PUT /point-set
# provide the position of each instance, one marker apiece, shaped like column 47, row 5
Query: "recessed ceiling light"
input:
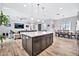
column 25, row 5
column 32, row 18
column 60, row 8
column 38, row 20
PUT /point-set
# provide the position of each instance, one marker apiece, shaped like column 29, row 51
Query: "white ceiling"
column 50, row 12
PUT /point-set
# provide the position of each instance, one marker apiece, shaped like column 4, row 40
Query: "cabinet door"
column 47, row 41
column 51, row 38
column 43, row 43
column 29, row 45
column 24, row 42
column 36, row 45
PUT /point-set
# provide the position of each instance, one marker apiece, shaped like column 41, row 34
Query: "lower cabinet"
column 43, row 43
column 29, row 45
column 35, row 45
column 51, row 38
column 47, row 41
column 24, row 42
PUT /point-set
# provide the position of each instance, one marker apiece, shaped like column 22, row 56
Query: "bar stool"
column 4, row 35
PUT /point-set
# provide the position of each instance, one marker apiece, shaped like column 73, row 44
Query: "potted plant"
column 4, row 19
column 1, row 41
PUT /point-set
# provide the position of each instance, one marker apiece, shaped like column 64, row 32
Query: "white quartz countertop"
column 34, row 34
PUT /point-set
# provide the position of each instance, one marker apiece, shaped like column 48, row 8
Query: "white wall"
column 0, row 6
column 77, row 24
column 44, row 24
column 72, row 20
column 14, row 17
column 18, row 11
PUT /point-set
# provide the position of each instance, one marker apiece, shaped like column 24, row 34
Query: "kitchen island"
column 35, row 42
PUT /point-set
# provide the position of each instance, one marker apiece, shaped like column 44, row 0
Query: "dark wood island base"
column 35, row 45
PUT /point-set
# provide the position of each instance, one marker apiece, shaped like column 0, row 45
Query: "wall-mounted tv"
column 18, row 25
